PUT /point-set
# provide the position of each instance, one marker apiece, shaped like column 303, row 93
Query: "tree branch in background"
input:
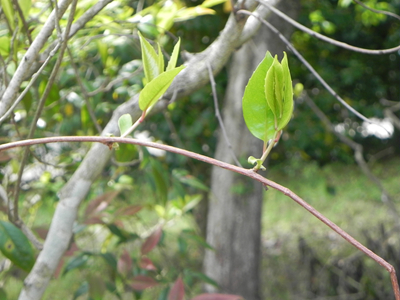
column 28, row 59
column 387, row 13
column 325, row 38
column 246, row 172
column 13, row 216
column 219, row 118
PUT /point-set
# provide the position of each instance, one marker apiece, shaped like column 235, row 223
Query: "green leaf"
column 160, row 59
column 258, row 116
column 211, row 3
column 150, row 60
column 124, row 123
column 4, row 45
column 287, row 105
column 9, row 12
column 76, row 262
column 174, row 57
column 156, row 88
column 273, row 89
column 15, row 246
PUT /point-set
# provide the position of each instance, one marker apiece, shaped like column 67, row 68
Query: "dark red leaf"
column 129, row 211
column 177, row 291
column 147, row 264
column 124, row 264
column 141, row 282
column 94, row 220
column 100, row 203
column 217, row 297
column 151, row 241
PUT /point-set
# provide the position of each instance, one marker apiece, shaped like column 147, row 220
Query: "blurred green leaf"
column 8, row 12
column 15, row 246
column 124, row 123
column 82, row 290
column 76, row 262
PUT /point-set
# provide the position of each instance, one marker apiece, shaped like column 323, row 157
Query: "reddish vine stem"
column 108, row 141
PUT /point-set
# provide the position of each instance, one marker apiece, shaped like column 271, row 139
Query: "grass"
column 340, row 192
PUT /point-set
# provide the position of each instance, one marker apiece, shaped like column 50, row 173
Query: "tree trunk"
column 235, row 202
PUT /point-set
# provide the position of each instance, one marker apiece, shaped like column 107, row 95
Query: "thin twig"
column 52, row 78
column 325, row 38
column 31, row 82
column 314, row 72
column 388, row 13
column 246, row 172
column 24, row 24
column 218, row 115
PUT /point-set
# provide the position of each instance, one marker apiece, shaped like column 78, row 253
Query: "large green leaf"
column 287, row 105
column 15, row 246
column 258, row 116
column 150, row 60
column 156, row 88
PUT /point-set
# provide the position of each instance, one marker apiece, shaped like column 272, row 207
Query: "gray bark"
column 235, row 203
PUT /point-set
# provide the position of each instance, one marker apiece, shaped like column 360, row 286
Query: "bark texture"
column 235, row 203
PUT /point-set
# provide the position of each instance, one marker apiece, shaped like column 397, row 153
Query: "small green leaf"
column 273, row 89
column 124, row 123
column 257, row 163
column 15, row 246
column 150, row 60
column 174, row 57
column 156, row 88
column 258, row 116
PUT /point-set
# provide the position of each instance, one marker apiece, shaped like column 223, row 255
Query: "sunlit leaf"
column 124, row 123
column 156, row 88
column 15, row 246
column 174, row 56
column 211, row 3
column 256, row 112
column 177, row 291
column 192, row 12
column 4, row 45
column 160, row 59
column 150, row 60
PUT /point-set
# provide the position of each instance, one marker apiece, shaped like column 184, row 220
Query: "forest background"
column 142, row 226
